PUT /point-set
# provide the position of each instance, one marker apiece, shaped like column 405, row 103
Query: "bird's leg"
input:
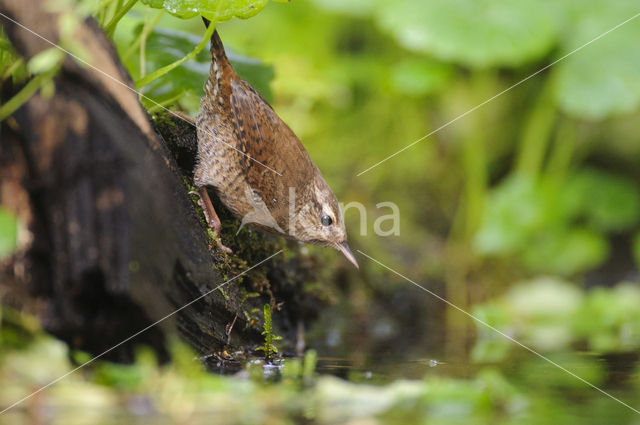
column 229, row 328
column 212, row 218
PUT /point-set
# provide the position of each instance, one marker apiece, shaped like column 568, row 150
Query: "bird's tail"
column 218, row 54
column 219, row 61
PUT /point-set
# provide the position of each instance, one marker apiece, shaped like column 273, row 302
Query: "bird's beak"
column 344, row 248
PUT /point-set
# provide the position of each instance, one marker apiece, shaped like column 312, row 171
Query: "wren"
column 257, row 166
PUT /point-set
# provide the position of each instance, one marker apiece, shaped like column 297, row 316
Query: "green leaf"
column 609, row 203
column 166, row 46
column 168, row 68
column 491, row 346
column 213, row 10
column 537, row 373
column 358, row 8
column 8, row 233
column 514, row 212
column 420, row 78
column 476, row 33
column 45, row 61
column 40, row 81
column 544, row 298
column 601, row 80
column 566, row 251
column 543, row 308
column 558, row 228
column 610, row 319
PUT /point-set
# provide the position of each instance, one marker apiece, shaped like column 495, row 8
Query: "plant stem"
column 25, row 94
column 11, row 68
column 537, row 133
column 145, row 31
column 142, row 59
column 468, row 218
column 475, row 158
column 165, row 69
column 111, row 26
column 562, row 151
column 4, row 44
column 155, row 107
column 102, row 11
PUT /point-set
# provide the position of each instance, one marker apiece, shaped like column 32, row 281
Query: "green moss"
column 224, row 294
column 248, row 295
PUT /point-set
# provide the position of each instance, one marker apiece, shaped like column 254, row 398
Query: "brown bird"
column 258, row 167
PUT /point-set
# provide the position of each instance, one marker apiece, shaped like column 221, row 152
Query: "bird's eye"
column 326, row 220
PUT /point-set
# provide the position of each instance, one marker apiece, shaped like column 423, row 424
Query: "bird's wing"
column 281, row 162
column 255, row 126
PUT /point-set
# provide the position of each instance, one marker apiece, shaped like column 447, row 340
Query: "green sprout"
column 269, row 337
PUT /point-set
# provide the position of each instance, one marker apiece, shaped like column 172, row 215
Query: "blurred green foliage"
column 184, row 85
column 8, row 233
column 183, row 392
column 478, row 34
column 509, row 211
column 560, row 230
column 553, row 315
column 608, row 85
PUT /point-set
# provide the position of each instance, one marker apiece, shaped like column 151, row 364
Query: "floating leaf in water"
column 338, row 400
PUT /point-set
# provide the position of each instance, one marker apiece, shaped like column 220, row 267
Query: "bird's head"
column 319, row 219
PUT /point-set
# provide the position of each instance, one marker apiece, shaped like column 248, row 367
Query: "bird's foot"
column 212, row 218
